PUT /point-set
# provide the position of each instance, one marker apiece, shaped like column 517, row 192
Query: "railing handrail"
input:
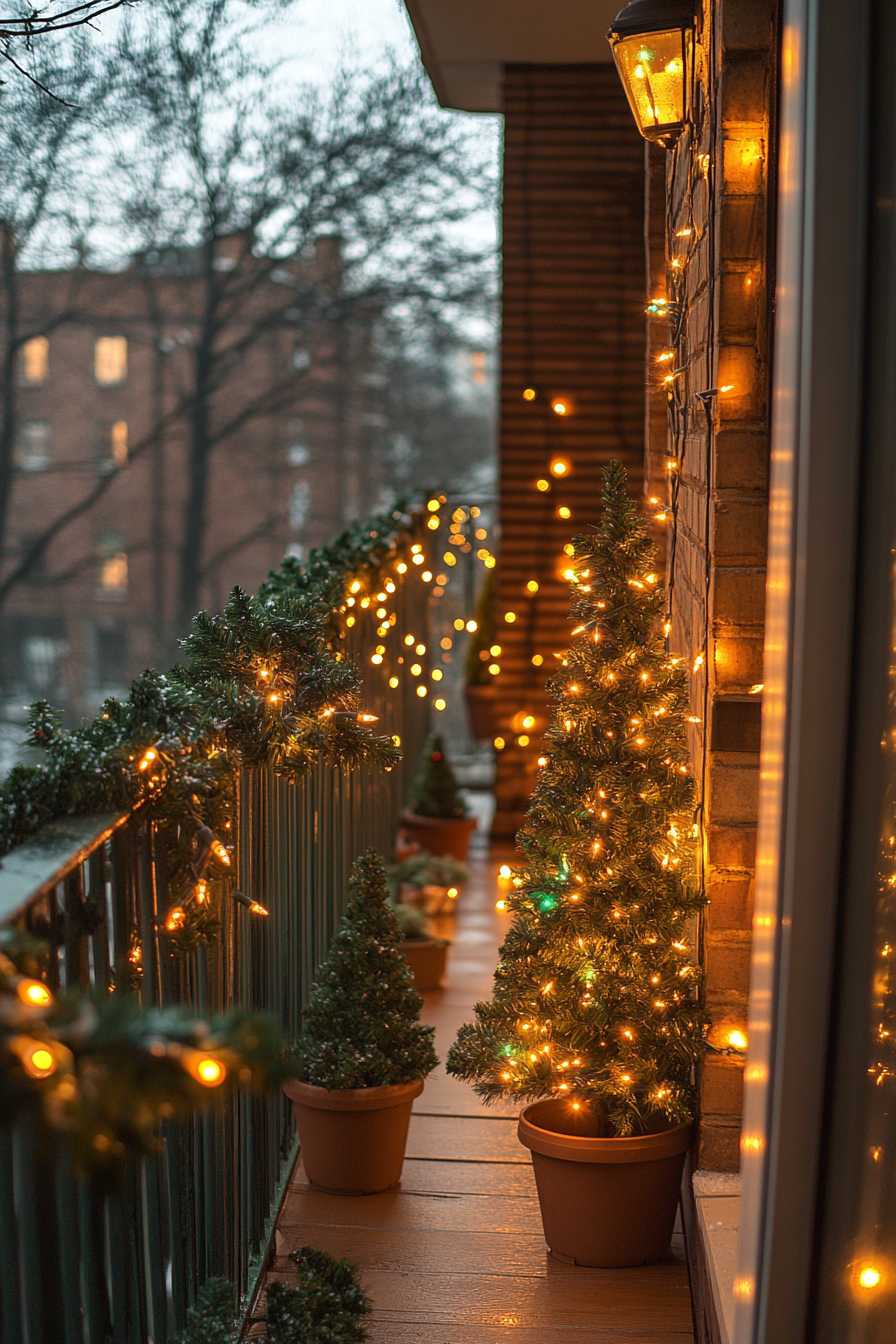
column 32, row 869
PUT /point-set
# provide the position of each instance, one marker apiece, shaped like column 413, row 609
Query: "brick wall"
column 717, row 268
column 573, row 328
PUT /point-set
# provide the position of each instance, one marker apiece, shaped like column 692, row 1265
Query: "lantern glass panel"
column 652, row 69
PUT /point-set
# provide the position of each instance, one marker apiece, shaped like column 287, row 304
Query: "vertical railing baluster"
column 10, row 1268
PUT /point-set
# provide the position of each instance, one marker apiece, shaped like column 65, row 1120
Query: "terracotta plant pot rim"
column 573, row 1148
column 416, row 820
column 352, row 1098
column 424, row 938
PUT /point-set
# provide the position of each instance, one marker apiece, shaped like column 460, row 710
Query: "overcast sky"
column 321, row 32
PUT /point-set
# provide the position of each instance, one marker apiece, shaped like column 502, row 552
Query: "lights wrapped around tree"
column 596, row 991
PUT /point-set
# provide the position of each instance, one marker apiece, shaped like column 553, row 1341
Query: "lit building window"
column 35, row 362
column 298, row 454
column 113, row 568
column 112, row 444
column 299, row 506
column 34, row 447
column 110, row 360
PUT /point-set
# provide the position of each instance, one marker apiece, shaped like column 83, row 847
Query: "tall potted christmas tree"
column 363, row 1054
column 595, row 1009
column 437, row 816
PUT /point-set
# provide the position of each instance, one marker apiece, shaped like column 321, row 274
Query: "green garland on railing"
column 261, row 684
column 102, row 1073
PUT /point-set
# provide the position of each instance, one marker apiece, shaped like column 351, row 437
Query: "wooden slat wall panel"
column 573, row 326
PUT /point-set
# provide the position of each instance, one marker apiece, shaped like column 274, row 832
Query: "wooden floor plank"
column 470, row 1138
column 497, row 1180
column 403, row 1332
column 522, row 1301
column 464, row 1213
column 440, row 1252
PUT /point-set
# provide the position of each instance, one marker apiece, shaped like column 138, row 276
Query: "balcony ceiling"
column 465, row 43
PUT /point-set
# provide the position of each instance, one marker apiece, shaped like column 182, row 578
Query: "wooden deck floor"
column 457, row 1254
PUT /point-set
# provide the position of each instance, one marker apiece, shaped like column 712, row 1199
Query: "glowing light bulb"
column 542, row 485
column 37, row 1060
column 421, row 691
column 564, row 512
column 869, row 1276
column 439, row 704
column 434, row 505
column 501, row 905
column 256, row 909
column 393, row 682
column 510, row 617
column 494, row 669
column 472, row 626
column 529, row 394
column 147, row 759
column 737, row 1039
column 559, row 466
column 401, row 567
column 220, row 853
column 207, row 1070
column 500, row 744
column 537, row 660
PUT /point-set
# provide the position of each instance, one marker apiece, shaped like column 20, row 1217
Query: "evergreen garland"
column 102, row 1072
column 325, row 1306
column 210, row 1320
column 434, row 792
column 595, row 993
column 361, row 1026
column 205, row 717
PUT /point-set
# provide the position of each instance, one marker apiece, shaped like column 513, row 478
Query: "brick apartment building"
column 103, row 414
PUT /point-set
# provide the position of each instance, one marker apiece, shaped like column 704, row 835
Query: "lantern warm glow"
column 651, row 41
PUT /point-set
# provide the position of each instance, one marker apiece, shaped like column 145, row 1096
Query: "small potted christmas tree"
column 437, row 817
column 425, row 954
column 363, row 1054
column 595, row 1009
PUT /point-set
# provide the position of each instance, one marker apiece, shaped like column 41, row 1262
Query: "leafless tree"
column 43, row 213
column 221, row 157
column 208, row 151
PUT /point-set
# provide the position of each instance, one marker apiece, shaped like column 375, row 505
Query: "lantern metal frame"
column 642, row 19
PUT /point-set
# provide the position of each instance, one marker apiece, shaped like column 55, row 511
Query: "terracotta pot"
column 482, row 710
column 440, row 835
column 353, row 1140
column 608, row 1203
column 426, row 958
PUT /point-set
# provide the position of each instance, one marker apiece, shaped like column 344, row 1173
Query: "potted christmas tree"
column 431, row 884
column 594, row 1009
column 437, row 816
column 425, row 954
column 363, row 1054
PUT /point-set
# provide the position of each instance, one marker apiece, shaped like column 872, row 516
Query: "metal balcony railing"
column 80, row 1264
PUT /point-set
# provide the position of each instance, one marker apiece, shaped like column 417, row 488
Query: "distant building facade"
column 103, row 434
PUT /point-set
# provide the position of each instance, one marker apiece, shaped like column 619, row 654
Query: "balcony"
column 96, row 1250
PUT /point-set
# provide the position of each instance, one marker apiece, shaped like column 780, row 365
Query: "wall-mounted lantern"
column 652, row 43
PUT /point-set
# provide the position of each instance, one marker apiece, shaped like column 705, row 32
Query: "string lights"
column 597, row 973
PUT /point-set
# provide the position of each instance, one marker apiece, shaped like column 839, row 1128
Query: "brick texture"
column 717, row 276
column 573, row 328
